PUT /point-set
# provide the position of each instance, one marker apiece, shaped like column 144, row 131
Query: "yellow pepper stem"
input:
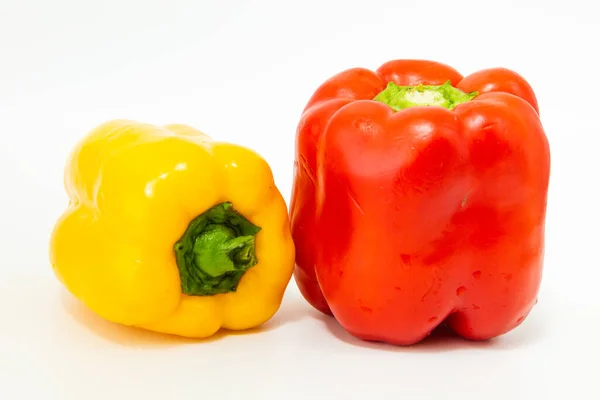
column 215, row 251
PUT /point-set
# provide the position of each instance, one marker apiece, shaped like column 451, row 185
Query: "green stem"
column 401, row 97
column 215, row 251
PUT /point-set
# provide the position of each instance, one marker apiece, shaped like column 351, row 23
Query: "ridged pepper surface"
column 170, row 231
column 420, row 199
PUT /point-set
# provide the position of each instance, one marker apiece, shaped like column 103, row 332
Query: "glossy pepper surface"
column 419, row 199
column 171, row 231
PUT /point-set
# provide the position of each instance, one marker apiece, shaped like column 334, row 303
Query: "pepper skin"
column 172, row 232
column 419, row 199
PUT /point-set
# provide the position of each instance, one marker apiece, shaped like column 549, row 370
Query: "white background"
column 242, row 71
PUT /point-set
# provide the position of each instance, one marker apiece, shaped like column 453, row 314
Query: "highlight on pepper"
column 419, row 200
column 171, row 231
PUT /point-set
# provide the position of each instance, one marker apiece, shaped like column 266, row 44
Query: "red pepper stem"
column 401, row 97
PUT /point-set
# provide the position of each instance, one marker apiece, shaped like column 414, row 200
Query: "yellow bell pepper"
column 170, row 231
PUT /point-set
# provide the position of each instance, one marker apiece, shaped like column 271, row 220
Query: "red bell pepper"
column 419, row 199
